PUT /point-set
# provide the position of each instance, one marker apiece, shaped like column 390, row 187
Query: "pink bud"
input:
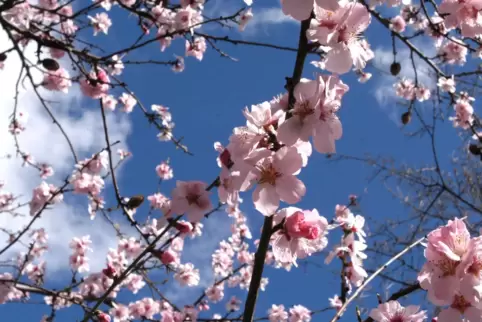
column 102, row 317
column 110, row 271
column 184, row 227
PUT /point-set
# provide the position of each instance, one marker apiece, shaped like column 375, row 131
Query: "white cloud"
column 384, row 91
column 42, row 139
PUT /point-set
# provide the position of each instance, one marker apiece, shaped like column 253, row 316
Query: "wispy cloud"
column 384, row 91
column 43, row 140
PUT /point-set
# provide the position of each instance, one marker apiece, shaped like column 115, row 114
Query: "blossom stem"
column 259, row 259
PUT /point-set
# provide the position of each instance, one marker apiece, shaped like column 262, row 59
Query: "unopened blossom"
column 192, row 199
column 164, row 171
column 392, row 311
column 277, row 313
column 446, row 84
column 303, row 233
column 299, row 313
column 398, row 24
column 128, row 101
column 275, row 180
column 58, row 80
column 196, row 48
column 101, row 23
column 244, row 18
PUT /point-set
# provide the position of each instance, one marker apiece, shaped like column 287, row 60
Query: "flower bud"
column 406, row 118
column 184, row 227
column 110, row 271
column 50, row 64
column 135, row 201
column 166, row 257
column 474, row 149
column 395, row 68
column 3, row 57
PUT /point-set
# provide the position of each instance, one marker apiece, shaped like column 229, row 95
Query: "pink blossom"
column 215, row 293
column 120, row 313
column 244, row 18
column 460, row 307
column 445, row 249
column 128, row 101
column 42, row 195
column 454, row 52
column 336, row 302
column 422, row 93
column 101, row 23
column 109, row 102
column 398, row 24
column 464, row 114
column 58, row 80
column 96, row 85
column 301, row 9
column 303, row 233
column 277, row 313
column 191, row 198
column 392, row 311
column 234, row 304
column 276, row 181
column 299, row 313
column 447, row 84
column 196, row 48
column 188, row 18
column 338, row 32
column 134, row 282
column 187, row 275
column 308, row 95
column 164, row 171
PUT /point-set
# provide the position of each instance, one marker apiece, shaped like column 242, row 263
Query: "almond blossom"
column 275, row 180
column 392, row 311
column 191, row 198
column 338, row 33
column 302, row 234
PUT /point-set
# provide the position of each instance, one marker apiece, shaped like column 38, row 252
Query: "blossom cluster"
column 352, row 245
column 452, row 272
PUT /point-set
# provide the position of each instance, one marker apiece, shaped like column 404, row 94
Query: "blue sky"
column 206, row 102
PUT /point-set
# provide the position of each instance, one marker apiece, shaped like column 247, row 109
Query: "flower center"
column 460, row 304
column 269, row 174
